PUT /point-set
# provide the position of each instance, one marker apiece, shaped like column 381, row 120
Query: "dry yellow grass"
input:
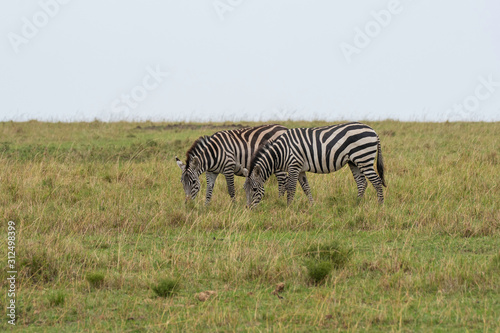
column 99, row 198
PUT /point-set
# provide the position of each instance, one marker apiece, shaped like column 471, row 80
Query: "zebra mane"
column 260, row 152
column 202, row 140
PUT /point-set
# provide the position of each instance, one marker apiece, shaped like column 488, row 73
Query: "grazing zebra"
column 226, row 152
column 319, row 150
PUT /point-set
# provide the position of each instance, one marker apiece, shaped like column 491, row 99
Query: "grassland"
column 101, row 224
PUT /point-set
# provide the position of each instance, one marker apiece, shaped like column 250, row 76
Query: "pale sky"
column 232, row 60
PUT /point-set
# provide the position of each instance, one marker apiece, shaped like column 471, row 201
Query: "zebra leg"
column 230, row 183
column 372, row 176
column 211, row 177
column 281, row 176
column 359, row 178
column 305, row 186
column 293, row 176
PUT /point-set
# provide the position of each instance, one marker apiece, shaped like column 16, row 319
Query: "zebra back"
column 319, row 149
column 231, row 146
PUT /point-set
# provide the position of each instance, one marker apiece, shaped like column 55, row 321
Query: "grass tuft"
column 56, row 298
column 333, row 252
column 176, row 218
column 40, row 267
column 322, row 258
column 95, row 279
column 166, row 287
column 318, row 270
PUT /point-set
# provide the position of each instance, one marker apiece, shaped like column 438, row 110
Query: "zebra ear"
column 180, row 164
column 245, row 172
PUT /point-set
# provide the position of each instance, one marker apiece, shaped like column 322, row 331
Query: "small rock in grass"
column 279, row 288
column 204, row 295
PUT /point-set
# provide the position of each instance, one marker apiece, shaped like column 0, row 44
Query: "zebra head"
column 189, row 178
column 254, row 186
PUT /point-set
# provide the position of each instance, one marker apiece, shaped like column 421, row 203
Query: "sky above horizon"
column 232, row 60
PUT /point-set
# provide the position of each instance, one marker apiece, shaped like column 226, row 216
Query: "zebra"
column 227, row 152
column 319, row 150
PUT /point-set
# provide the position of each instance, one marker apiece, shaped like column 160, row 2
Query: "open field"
column 101, row 220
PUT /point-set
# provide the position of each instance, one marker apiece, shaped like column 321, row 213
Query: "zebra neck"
column 277, row 155
column 203, row 166
column 268, row 165
column 209, row 162
column 266, row 173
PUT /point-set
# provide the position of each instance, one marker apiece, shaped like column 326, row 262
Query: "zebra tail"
column 380, row 163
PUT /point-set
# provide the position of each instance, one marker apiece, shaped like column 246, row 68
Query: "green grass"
column 95, row 279
column 322, row 258
column 99, row 198
column 57, row 298
column 166, row 287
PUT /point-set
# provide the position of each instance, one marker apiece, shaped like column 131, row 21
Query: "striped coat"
column 320, row 150
column 228, row 153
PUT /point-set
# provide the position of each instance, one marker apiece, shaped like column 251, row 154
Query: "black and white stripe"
column 228, row 153
column 319, row 150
